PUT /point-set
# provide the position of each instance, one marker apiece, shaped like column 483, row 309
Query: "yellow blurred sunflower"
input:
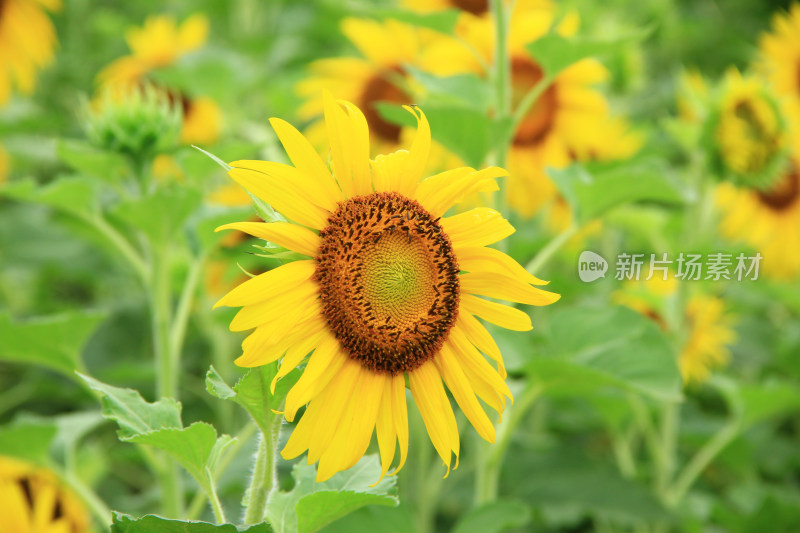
column 160, row 43
column 780, row 59
column 376, row 76
column 767, row 220
column 390, row 290
column 568, row 120
column 33, row 501
column 706, row 323
column 749, row 133
column 27, row 41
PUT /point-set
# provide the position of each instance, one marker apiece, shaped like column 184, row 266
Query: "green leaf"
column 599, row 346
column 72, row 427
column 554, row 53
column 252, row 391
column 309, row 506
column 196, row 448
column 398, row 519
column 442, row 21
column 133, row 414
column 162, row 213
column 74, row 194
column 466, row 90
column 754, row 403
column 494, row 517
column 158, row 424
column 28, row 440
column 469, row 133
column 123, row 523
column 590, row 194
column 54, row 342
column 83, row 157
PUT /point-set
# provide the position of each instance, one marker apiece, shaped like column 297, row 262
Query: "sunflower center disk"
column 783, row 194
column 388, row 281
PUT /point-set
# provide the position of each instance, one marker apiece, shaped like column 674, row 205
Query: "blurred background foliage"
column 603, row 435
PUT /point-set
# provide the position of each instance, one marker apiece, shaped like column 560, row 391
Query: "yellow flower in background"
column 706, row 322
column 160, row 43
column 710, row 333
column 767, row 220
column 748, row 131
column 376, row 76
column 780, row 59
column 391, row 289
column 32, row 500
column 568, row 121
column 476, row 7
column 27, row 41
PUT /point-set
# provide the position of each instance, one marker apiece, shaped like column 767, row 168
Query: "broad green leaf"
column 590, row 194
column 196, row 448
column 754, row 403
column 72, row 427
column 252, row 391
column 162, row 213
column 442, row 21
column 54, row 342
column 83, row 157
column 73, row 194
column 28, row 440
column 494, row 517
column 158, row 424
column 398, row 519
column 309, row 506
column 593, row 346
column 123, row 523
column 469, row 133
column 467, row 90
column 134, row 415
column 554, row 53
column 568, row 481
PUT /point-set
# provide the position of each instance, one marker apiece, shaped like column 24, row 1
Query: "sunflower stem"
column 502, row 81
column 555, row 244
column 265, row 472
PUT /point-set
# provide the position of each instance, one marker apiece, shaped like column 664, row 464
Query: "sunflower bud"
column 139, row 121
column 746, row 133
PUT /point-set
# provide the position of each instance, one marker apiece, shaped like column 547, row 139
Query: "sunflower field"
column 401, row 266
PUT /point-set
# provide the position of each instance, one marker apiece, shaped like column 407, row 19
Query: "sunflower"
column 566, row 122
column 767, row 220
column 27, row 40
column 390, row 290
column 705, row 321
column 747, row 132
column 475, row 7
column 33, row 501
column 780, row 59
column 160, row 43
column 376, row 76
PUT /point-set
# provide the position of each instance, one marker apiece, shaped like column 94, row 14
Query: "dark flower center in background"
column 476, row 7
column 540, row 119
column 388, row 281
column 784, row 193
column 381, row 89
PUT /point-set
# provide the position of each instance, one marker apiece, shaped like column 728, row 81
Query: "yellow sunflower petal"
column 349, row 138
column 400, row 415
column 482, row 259
column 295, row 354
column 291, row 179
column 503, row 287
column 498, row 314
column 269, row 284
column 291, row 236
column 384, row 428
column 305, row 158
column 293, row 304
column 440, row 192
column 282, row 197
column 477, row 227
column 437, row 413
column 335, row 401
column 418, row 154
column 459, row 386
column 481, row 338
column 323, row 364
column 388, row 169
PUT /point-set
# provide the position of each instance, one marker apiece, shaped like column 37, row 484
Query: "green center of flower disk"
column 388, row 281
